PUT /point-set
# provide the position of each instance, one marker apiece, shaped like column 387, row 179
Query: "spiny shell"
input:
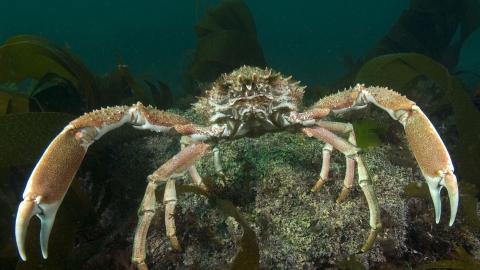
column 249, row 87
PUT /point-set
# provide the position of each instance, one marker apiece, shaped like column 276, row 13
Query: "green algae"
column 367, row 133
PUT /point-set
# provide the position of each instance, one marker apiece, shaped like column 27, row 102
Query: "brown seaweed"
column 466, row 261
column 227, row 40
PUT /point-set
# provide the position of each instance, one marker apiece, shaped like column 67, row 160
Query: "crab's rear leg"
column 167, row 173
column 351, row 152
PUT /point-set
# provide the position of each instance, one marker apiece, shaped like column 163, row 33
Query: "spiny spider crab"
column 248, row 102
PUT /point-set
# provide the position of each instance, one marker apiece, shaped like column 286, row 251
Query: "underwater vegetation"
column 429, row 28
column 227, row 40
column 268, row 183
column 420, row 49
column 51, row 67
column 466, row 262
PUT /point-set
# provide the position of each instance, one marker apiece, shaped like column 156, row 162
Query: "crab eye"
column 240, row 79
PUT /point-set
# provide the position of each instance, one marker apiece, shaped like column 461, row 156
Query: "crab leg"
column 427, row 146
column 55, row 170
column 168, row 172
column 351, row 152
column 326, row 153
column 343, row 128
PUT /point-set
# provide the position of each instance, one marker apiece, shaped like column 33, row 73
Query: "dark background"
column 306, row 39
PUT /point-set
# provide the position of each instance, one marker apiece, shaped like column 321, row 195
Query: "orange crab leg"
column 168, row 172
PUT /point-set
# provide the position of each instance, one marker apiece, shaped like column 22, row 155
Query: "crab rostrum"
column 248, row 102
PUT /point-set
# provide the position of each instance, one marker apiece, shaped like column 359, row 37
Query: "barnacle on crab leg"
column 54, row 172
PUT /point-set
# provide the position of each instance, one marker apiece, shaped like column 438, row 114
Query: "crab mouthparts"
column 250, row 96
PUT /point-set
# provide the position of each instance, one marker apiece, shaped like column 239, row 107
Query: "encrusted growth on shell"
column 247, row 89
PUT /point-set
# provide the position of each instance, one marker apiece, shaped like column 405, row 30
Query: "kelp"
column 227, row 40
column 42, row 88
column 12, row 102
column 161, row 98
column 28, row 56
column 466, row 261
column 314, row 93
column 25, row 136
column 229, row 15
column 62, row 82
column 351, row 263
column 429, row 28
column 401, row 71
column 223, row 51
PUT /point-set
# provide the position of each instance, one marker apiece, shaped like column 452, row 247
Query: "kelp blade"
column 25, row 136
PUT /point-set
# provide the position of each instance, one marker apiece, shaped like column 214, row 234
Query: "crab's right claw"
column 49, row 183
column 26, row 210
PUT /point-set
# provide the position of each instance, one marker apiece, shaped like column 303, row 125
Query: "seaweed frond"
column 466, row 261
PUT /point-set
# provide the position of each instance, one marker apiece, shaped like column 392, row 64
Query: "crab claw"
column 435, row 184
column 433, row 158
column 49, row 183
column 45, row 212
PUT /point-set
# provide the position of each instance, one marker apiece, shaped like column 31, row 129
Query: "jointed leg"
column 327, row 151
column 197, row 179
column 217, row 165
column 351, row 152
column 173, row 168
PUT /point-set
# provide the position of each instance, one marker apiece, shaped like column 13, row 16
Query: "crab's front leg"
column 55, row 170
column 351, row 153
column 427, row 146
column 167, row 173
